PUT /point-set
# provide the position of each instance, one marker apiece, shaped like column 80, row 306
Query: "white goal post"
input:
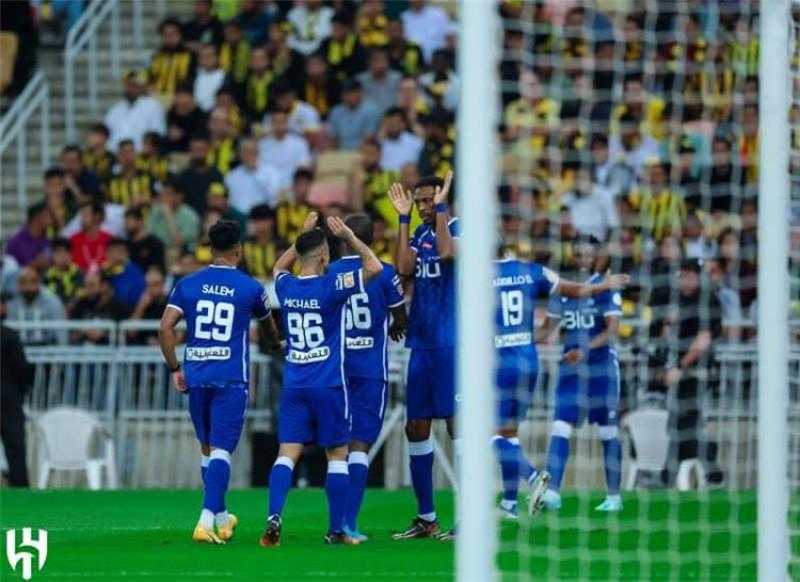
column 773, row 290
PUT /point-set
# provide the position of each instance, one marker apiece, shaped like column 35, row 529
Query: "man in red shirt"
column 89, row 245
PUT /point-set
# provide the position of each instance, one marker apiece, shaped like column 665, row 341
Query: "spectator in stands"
column 258, row 85
column 150, row 159
column 727, row 178
column 217, row 201
column 593, row 210
column 222, row 141
column 342, row 51
column 320, row 89
column 150, row 306
column 413, row 104
column 613, row 176
column 252, row 183
column 286, row 62
column 372, row 24
column 748, row 236
column 234, row 54
column 204, row 27
column 262, row 248
column 126, row 276
column 439, row 150
column 530, row 119
column 698, row 325
column 647, row 111
column 730, row 304
column 16, row 379
column 303, row 118
column 741, row 275
column 129, row 186
column 370, row 183
column 748, row 142
column 254, row 17
column 194, row 181
column 383, row 243
column 399, row 146
column 55, row 197
column 379, row 82
column 404, row 55
column 96, row 301
column 173, row 63
column 30, row 245
column 631, row 146
column 695, row 243
column 294, row 207
column 353, row 119
column 283, row 151
column 63, row 277
column 428, row 26
column 135, row 114
column 182, row 119
column 441, row 82
column 661, row 210
column 209, row 78
column 311, row 24
column 174, row 223
column 96, row 157
column 36, row 304
column 81, row 182
column 19, row 20
column 146, row 250
column 90, row 244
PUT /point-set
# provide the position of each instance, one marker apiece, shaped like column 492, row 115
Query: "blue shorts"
column 314, row 415
column 431, row 386
column 367, row 406
column 217, row 412
column 588, row 391
column 515, row 387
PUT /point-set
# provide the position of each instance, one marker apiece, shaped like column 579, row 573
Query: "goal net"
column 637, row 124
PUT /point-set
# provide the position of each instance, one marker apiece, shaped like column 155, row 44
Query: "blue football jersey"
column 432, row 318
column 313, row 316
column 218, row 303
column 367, row 321
column 518, row 286
column 584, row 319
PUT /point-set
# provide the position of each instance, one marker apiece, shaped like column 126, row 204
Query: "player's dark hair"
column 361, row 225
column 224, row 235
column 309, row 241
column 432, row 181
column 35, row 210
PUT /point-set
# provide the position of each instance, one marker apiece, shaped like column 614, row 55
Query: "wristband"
column 176, row 369
column 405, row 219
column 441, row 208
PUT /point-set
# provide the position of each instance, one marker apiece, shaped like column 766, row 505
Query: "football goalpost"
column 477, row 181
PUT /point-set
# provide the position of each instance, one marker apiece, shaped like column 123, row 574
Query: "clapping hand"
column 442, row 193
column 402, row 200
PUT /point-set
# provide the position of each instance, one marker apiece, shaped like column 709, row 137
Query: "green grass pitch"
column 145, row 535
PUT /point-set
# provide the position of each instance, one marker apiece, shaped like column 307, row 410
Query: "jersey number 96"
column 218, row 316
column 305, row 329
column 357, row 314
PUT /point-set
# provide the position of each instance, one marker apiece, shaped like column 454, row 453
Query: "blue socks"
column 358, row 466
column 558, row 454
column 217, row 477
column 421, row 461
column 204, row 460
column 612, row 457
column 513, row 465
column 336, row 486
column 280, row 481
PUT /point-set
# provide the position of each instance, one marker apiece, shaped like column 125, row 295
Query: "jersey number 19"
column 511, row 305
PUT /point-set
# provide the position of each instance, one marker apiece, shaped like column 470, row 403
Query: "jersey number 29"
column 220, row 318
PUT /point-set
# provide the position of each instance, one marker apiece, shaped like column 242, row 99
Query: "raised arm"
column 370, row 264
column 286, row 260
column 168, row 339
column 445, row 243
column 405, row 258
column 575, row 290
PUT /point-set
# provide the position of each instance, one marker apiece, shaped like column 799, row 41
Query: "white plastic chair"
column 685, row 471
column 648, row 430
column 66, row 446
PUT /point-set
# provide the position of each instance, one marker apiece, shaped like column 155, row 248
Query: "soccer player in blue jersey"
column 518, row 286
column 588, row 382
column 428, row 258
column 314, row 401
column 217, row 303
column 367, row 331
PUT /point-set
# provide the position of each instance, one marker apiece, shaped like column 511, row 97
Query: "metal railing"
column 16, row 125
column 83, row 41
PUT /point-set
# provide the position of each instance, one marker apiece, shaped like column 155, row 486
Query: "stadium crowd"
column 638, row 128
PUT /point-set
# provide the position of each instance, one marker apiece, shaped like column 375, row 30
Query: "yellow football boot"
column 225, row 532
column 207, row 536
